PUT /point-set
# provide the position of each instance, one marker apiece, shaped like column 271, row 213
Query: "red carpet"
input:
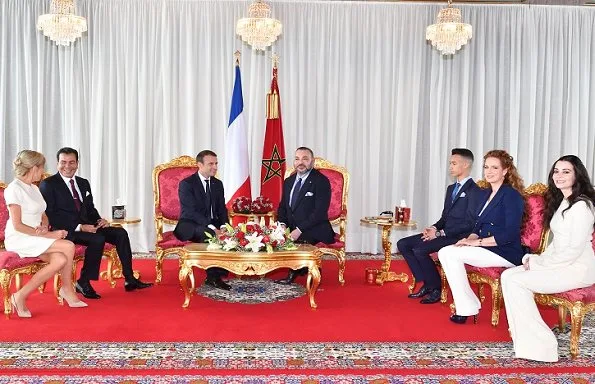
column 354, row 312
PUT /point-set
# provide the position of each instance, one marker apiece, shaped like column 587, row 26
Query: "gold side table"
column 249, row 264
column 255, row 217
column 387, row 224
column 117, row 268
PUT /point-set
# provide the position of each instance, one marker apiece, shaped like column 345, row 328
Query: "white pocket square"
column 463, row 194
column 308, row 194
column 88, row 194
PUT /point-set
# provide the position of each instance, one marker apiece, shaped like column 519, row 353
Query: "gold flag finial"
column 275, row 59
column 237, row 55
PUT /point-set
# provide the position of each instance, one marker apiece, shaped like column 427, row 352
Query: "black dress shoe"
column 134, row 283
column 218, row 283
column 462, row 319
column 291, row 276
column 421, row 293
column 86, row 290
column 432, row 297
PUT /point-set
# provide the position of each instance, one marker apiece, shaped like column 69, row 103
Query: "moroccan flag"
column 236, row 169
column 273, row 154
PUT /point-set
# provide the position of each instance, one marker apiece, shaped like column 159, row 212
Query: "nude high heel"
column 19, row 312
column 72, row 304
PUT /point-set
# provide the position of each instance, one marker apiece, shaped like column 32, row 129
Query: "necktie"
column 209, row 203
column 75, row 195
column 455, row 191
column 295, row 193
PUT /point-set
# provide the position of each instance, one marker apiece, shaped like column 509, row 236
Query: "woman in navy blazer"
column 496, row 237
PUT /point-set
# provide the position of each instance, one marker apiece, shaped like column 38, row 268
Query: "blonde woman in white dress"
column 27, row 233
column 567, row 263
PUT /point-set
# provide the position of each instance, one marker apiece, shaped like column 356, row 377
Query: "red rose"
column 266, row 239
column 222, row 237
column 274, row 243
column 243, row 242
column 240, row 235
column 249, row 228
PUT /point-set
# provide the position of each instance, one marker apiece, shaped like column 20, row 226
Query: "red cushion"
column 434, row 256
column 168, row 181
column 493, row 272
column 3, row 214
column 586, row 295
column 336, row 179
column 11, row 260
column 170, row 241
column 533, row 226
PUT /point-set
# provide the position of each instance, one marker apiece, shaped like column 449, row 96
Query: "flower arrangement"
column 261, row 205
column 241, row 205
column 252, row 237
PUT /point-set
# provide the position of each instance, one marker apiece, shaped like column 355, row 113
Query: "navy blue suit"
column 457, row 219
column 62, row 214
column 195, row 216
column 502, row 218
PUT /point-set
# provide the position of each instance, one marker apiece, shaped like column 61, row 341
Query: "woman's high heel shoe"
column 19, row 312
column 72, row 304
column 462, row 319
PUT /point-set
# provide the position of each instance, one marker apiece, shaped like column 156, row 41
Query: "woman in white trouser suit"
column 496, row 238
column 567, row 263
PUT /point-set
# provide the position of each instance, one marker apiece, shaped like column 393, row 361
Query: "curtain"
column 152, row 80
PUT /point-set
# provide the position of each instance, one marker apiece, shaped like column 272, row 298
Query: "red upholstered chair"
column 533, row 235
column 166, row 178
column 578, row 302
column 11, row 265
column 337, row 213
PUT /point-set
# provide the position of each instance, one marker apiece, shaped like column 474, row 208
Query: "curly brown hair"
column 512, row 176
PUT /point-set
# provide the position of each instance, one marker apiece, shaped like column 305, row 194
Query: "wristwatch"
column 438, row 233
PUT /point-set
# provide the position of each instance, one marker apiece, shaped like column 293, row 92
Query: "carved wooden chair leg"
column 341, row 260
column 411, row 286
column 159, row 265
column 112, row 262
column 444, row 291
column 496, row 302
column 562, row 313
column 576, row 320
column 5, row 284
column 481, row 292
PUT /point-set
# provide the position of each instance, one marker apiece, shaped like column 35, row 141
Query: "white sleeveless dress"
column 32, row 206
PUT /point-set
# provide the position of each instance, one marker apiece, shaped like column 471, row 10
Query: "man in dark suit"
column 455, row 223
column 70, row 207
column 304, row 206
column 203, row 209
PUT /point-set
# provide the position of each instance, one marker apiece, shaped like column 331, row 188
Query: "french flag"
column 236, row 169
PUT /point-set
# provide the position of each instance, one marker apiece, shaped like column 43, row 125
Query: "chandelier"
column 61, row 25
column 449, row 33
column 259, row 29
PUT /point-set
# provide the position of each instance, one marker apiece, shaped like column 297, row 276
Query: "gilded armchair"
column 337, row 213
column 166, row 178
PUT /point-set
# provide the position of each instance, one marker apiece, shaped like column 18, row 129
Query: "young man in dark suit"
column 455, row 223
column 304, row 206
column 70, row 207
column 202, row 202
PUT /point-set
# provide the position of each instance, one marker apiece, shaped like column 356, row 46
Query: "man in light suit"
column 455, row 223
column 202, row 202
column 304, row 206
column 70, row 207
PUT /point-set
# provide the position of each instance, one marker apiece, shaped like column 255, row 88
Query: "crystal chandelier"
column 449, row 33
column 259, row 29
column 61, row 24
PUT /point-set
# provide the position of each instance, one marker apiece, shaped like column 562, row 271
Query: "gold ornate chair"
column 166, row 178
column 533, row 235
column 337, row 213
column 578, row 302
column 11, row 264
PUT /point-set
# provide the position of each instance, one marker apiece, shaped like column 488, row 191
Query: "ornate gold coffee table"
column 387, row 224
column 249, row 264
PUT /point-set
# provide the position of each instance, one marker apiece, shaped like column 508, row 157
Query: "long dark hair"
column 582, row 189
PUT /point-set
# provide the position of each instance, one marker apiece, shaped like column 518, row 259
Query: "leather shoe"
column 291, row 276
column 134, row 283
column 218, row 283
column 421, row 293
column 432, row 297
column 462, row 319
column 85, row 289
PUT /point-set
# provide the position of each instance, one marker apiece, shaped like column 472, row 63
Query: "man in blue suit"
column 455, row 223
column 202, row 202
column 304, row 206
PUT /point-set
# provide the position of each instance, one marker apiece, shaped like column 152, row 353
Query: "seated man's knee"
column 446, row 253
column 97, row 240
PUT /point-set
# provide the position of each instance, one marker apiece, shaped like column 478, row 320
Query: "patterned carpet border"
column 305, row 379
column 273, row 356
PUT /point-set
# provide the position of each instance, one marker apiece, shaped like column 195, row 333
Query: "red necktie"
column 75, row 195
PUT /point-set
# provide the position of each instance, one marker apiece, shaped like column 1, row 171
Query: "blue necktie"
column 295, row 193
column 455, row 191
